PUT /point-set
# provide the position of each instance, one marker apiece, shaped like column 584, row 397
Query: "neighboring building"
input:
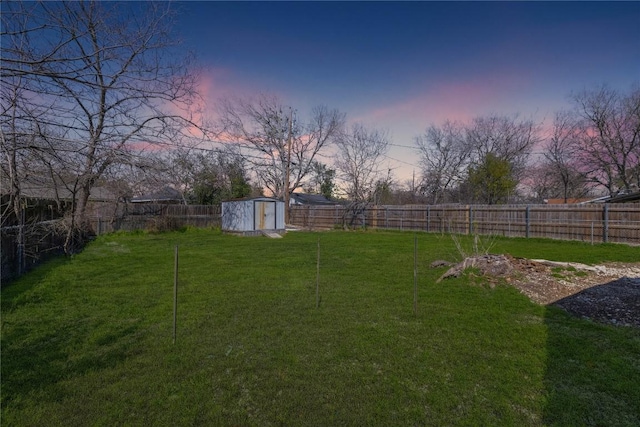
column 569, row 201
column 167, row 195
column 625, row 198
column 45, row 200
column 619, row 198
column 253, row 215
column 309, row 199
column 45, row 189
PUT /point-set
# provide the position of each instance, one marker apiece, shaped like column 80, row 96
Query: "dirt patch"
column 607, row 293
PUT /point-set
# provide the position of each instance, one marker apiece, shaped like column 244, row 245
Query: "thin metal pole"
column 415, row 274
column 21, row 241
column 318, row 276
column 175, row 294
column 288, row 171
column 605, row 225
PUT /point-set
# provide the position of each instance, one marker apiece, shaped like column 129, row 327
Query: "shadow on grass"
column 64, row 344
column 14, row 288
column 35, row 365
column 593, row 367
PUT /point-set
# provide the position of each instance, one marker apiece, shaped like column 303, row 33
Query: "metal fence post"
column 21, row 242
column 470, row 220
column 386, row 217
column 527, row 218
column 415, row 274
column 175, row 293
column 605, row 223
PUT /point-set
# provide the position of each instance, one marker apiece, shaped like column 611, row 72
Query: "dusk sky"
column 402, row 66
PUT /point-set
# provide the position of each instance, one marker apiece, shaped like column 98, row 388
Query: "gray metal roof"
column 165, row 194
column 311, row 199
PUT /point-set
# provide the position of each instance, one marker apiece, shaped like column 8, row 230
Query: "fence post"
column 21, row 241
column 386, row 217
column 374, row 216
column 175, row 293
column 527, row 217
column 470, row 220
column 428, row 218
column 318, row 276
column 415, row 274
column 605, row 223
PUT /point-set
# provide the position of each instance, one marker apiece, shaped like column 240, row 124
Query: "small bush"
column 161, row 224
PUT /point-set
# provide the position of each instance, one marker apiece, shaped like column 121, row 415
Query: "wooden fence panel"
column 592, row 223
column 141, row 216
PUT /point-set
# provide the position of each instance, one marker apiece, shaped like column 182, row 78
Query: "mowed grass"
column 88, row 340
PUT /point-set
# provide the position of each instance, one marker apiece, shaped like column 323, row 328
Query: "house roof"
column 311, row 199
column 165, row 194
column 625, row 198
column 568, row 201
column 47, row 190
column 619, row 198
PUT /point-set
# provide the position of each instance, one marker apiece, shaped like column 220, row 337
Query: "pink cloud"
column 455, row 100
column 212, row 85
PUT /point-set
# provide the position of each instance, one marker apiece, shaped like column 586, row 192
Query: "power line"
column 404, row 146
column 400, row 161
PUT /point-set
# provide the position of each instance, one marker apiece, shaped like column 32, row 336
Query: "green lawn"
column 88, row 340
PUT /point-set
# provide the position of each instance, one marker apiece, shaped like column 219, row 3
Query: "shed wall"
column 240, row 215
column 237, row 216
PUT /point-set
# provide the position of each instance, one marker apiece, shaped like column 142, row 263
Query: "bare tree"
column 16, row 139
column 609, row 137
column 98, row 87
column 275, row 139
column 444, row 159
column 205, row 177
column 561, row 153
column 451, row 151
column 507, row 138
column 359, row 161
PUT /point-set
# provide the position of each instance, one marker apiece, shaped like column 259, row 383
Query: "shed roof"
column 245, row 199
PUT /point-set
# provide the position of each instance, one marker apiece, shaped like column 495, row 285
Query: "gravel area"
column 608, row 293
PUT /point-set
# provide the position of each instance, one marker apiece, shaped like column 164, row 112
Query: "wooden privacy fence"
column 618, row 223
column 131, row 217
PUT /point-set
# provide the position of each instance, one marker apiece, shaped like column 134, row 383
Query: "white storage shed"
column 253, row 215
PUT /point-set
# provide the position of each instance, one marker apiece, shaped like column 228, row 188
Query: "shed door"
column 265, row 215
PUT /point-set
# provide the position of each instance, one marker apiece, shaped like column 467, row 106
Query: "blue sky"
column 402, row 66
